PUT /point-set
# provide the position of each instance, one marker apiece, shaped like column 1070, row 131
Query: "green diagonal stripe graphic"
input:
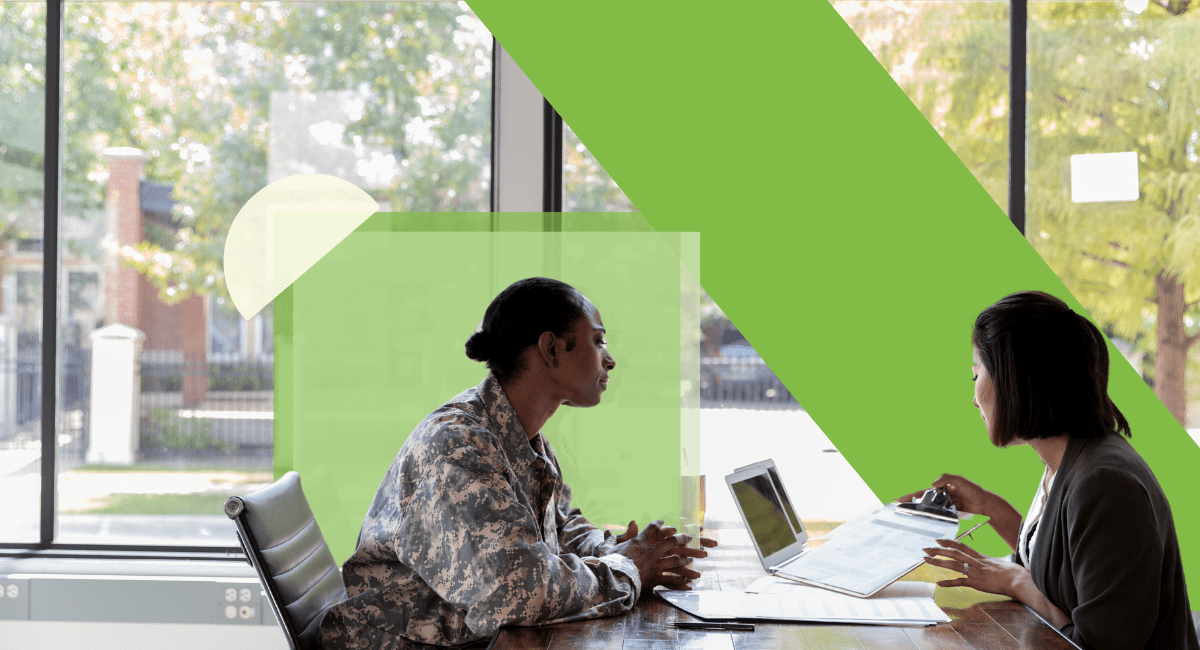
column 839, row 232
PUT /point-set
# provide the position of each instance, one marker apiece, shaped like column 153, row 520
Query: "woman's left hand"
column 988, row 574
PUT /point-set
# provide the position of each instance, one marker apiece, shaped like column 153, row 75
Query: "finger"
column 681, row 539
column 708, row 542
column 953, row 565
column 956, row 555
column 691, row 552
column 670, row 563
column 651, row 530
column 666, row 531
column 957, row 582
column 630, row 532
column 970, row 552
column 690, row 574
column 947, row 480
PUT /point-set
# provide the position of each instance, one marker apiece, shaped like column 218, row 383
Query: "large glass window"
column 1112, row 173
column 173, row 115
column 1114, row 180
column 22, row 160
column 951, row 59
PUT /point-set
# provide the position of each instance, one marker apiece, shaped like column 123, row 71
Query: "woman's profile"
column 1097, row 554
column 472, row 528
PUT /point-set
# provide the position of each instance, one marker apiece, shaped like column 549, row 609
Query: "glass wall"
column 173, row 116
column 1113, row 178
column 22, row 160
column 951, row 59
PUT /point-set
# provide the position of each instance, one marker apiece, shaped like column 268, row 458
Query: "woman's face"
column 583, row 373
column 985, row 392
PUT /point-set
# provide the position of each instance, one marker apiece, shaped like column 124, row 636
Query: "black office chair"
column 283, row 542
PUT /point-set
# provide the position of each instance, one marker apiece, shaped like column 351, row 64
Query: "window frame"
column 512, row 95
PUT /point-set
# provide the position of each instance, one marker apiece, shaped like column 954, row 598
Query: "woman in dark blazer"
column 1097, row 554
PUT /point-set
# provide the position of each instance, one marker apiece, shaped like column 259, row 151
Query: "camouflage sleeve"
column 575, row 533
column 473, row 542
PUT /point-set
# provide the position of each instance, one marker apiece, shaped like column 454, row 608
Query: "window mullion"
column 51, row 177
column 552, row 166
column 1018, row 66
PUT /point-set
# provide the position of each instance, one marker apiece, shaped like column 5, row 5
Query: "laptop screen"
column 787, row 505
column 765, row 513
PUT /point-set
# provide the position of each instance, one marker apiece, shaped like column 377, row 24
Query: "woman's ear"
column 548, row 348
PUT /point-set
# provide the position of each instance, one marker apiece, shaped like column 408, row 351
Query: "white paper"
column 873, row 551
column 783, row 586
column 817, row 606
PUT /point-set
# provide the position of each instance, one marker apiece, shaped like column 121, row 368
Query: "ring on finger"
column 965, row 567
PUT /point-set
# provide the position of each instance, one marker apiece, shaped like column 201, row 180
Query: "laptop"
column 776, row 531
column 859, row 558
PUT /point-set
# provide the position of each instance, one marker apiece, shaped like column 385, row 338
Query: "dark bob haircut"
column 1049, row 366
column 518, row 316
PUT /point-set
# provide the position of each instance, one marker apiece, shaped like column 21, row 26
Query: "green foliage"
column 250, row 377
column 191, row 84
column 1102, row 78
column 167, row 432
column 1108, row 79
column 22, row 107
column 951, row 60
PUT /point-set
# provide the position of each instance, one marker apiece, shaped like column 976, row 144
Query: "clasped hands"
column 661, row 555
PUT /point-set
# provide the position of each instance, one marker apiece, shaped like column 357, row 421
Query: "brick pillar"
column 193, row 326
column 122, row 295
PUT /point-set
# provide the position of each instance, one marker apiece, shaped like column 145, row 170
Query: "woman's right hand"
column 966, row 495
column 969, row 497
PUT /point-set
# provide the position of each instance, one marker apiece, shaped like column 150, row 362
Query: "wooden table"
column 979, row 620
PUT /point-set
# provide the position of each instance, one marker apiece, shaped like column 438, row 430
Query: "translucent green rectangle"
column 374, row 338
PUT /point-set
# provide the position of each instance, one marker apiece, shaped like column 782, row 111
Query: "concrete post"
column 116, row 391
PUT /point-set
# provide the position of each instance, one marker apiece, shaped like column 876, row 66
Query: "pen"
column 968, row 533
column 738, row 627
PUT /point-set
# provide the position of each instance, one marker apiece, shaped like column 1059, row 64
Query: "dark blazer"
column 1106, row 552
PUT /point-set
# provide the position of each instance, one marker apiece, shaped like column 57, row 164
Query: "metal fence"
column 206, row 411
column 742, row 382
column 21, row 400
column 192, row 412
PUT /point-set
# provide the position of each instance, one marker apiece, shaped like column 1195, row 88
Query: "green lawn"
column 152, row 467
column 160, row 504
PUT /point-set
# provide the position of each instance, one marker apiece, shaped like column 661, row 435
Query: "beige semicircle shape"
column 283, row 230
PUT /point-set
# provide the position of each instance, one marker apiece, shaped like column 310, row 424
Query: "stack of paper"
column 912, row 600
column 783, row 600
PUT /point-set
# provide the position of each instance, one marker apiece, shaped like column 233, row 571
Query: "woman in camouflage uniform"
column 472, row 527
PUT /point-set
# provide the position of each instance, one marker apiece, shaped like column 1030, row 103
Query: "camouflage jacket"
column 472, row 529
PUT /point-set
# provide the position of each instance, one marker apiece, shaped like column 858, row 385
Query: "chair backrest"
column 285, row 545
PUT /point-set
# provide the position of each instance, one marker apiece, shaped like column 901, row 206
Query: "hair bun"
column 479, row 347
